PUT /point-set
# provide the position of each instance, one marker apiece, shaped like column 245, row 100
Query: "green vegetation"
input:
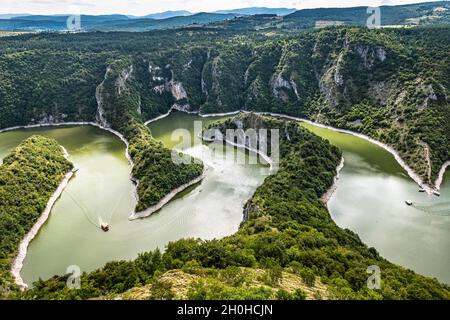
column 431, row 13
column 28, row 177
column 288, row 248
column 391, row 84
column 404, row 15
column 115, row 22
column 154, row 168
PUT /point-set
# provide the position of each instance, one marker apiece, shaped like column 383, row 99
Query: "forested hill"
column 392, row 84
column 288, row 247
column 429, row 13
column 29, row 175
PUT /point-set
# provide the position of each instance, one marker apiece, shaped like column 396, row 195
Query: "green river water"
column 369, row 200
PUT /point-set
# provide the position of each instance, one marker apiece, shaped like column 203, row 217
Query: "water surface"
column 370, row 200
column 102, row 190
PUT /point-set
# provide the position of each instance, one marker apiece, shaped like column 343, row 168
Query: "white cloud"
column 142, row 7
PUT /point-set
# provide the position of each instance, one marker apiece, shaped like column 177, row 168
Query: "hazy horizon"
column 145, row 7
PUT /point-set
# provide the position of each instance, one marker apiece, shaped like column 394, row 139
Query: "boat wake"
column 437, row 209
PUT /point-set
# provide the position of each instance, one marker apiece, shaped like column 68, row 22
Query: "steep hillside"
column 110, row 23
column 390, row 84
column 119, row 108
column 288, row 246
column 29, row 176
column 428, row 13
column 257, row 18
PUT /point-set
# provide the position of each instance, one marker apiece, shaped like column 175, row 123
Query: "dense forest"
column 28, row 177
column 391, row 84
column 154, row 170
column 288, row 247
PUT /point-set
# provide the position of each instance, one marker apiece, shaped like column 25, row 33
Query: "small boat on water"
column 422, row 190
column 409, row 202
column 436, row 193
column 105, row 227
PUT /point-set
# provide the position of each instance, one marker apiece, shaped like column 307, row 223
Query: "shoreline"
column 411, row 173
column 85, row 123
column 327, row 195
column 162, row 116
column 440, row 178
column 18, row 262
column 151, row 210
column 23, row 246
column 264, row 156
column 17, row 265
column 75, row 123
column 207, row 115
column 127, row 155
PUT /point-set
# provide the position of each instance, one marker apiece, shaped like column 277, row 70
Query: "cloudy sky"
column 142, row 7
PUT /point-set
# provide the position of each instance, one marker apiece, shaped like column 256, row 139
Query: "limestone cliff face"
column 177, row 90
column 336, row 83
column 99, row 95
column 370, row 54
column 116, row 82
column 165, row 85
column 330, row 80
column 122, row 79
column 279, row 87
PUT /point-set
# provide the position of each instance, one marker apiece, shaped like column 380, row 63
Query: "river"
column 102, row 190
column 369, row 200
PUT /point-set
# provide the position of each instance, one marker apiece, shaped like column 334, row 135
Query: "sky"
column 143, row 7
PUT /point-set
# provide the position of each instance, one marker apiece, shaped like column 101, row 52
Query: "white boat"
column 105, row 227
column 436, row 193
column 409, row 202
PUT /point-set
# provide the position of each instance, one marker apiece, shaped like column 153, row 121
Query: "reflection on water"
column 370, row 200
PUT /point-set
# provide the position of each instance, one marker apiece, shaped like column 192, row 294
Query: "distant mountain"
column 168, row 14
column 12, row 15
column 63, row 17
column 55, row 22
column 259, row 10
column 430, row 13
column 411, row 14
column 110, row 22
column 146, row 24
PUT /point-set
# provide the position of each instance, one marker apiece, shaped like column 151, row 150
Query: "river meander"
column 102, row 190
column 369, row 200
